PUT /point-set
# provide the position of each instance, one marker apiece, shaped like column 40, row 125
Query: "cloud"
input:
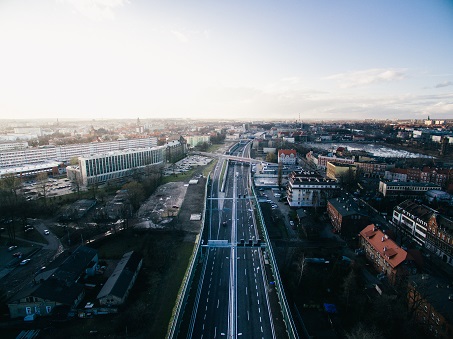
column 444, row 84
column 96, row 10
column 181, row 37
column 367, row 77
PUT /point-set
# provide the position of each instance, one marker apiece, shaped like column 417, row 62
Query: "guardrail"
column 176, row 319
column 287, row 317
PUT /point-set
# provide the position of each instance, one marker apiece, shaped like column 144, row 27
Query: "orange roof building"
column 386, row 256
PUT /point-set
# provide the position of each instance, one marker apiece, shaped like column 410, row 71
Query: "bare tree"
column 41, row 179
column 360, row 331
column 300, row 264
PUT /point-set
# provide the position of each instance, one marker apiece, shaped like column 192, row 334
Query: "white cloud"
column 367, row 77
column 181, row 37
column 96, row 10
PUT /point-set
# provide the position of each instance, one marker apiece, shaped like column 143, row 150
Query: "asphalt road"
column 232, row 296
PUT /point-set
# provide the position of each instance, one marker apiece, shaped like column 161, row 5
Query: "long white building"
column 63, row 154
column 113, row 165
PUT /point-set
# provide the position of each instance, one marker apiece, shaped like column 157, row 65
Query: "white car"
column 46, row 232
column 24, row 262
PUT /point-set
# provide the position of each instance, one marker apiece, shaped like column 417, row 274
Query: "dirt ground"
column 171, row 206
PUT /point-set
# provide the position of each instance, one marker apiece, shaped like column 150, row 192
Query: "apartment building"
column 412, row 220
column 372, row 168
column 426, row 227
column 396, row 174
column 346, row 216
column 385, row 255
column 336, row 170
column 323, row 160
column 432, row 302
column 309, row 189
column 194, row 140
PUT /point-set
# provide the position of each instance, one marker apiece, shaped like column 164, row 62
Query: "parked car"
column 46, row 232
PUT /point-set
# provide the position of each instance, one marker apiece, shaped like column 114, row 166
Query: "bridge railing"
column 287, row 317
column 178, row 310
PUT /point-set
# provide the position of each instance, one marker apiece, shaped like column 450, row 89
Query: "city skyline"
column 257, row 60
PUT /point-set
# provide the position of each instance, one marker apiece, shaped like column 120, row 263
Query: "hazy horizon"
column 259, row 60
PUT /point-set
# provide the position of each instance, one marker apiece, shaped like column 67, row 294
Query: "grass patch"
column 214, row 147
column 209, row 167
column 222, row 173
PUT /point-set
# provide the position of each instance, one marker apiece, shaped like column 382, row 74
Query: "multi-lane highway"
column 232, row 296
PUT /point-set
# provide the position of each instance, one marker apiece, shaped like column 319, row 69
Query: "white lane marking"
column 248, row 316
column 218, row 302
column 221, row 264
column 245, row 270
column 260, row 320
column 257, row 294
column 261, row 328
column 204, row 317
column 259, row 310
column 203, row 326
column 258, row 301
column 245, row 290
column 209, row 291
column 220, row 281
column 215, row 331
column 207, row 299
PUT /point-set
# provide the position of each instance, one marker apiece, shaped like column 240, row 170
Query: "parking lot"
column 51, row 187
column 186, row 164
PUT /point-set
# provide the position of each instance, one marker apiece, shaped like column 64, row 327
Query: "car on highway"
column 46, row 232
column 291, row 223
column 24, row 262
column 12, row 248
column 18, row 254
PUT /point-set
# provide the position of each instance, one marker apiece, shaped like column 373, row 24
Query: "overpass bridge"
column 229, row 157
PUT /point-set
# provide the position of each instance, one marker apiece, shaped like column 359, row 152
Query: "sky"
column 235, row 59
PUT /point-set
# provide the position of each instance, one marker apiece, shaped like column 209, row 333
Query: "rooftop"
column 386, row 247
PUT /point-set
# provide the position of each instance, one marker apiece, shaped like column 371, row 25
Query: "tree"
column 280, row 174
column 270, row 157
column 135, row 193
column 74, row 161
column 41, row 179
column 349, row 286
column 360, row 331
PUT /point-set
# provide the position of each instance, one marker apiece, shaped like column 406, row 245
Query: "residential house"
column 116, row 289
column 61, row 285
column 287, row 156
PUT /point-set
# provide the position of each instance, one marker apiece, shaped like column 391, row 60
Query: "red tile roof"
column 386, row 247
column 287, row 151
